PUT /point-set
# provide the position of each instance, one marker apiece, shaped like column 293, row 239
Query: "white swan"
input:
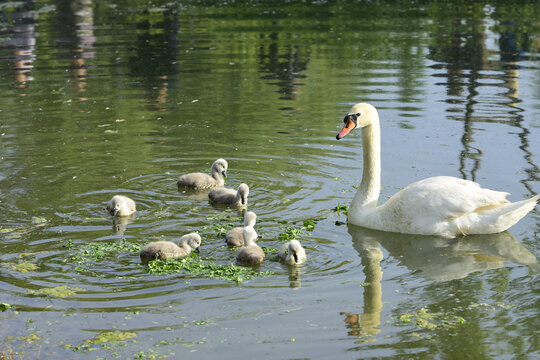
column 443, row 205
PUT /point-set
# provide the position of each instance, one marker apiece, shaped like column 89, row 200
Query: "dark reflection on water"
column 121, row 97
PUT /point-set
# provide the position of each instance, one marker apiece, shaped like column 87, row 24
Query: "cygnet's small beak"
column 197, row 249
column 224, row 172
column 295, row 255
column 350, row 124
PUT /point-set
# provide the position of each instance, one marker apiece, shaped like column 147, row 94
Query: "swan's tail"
column 501, row 218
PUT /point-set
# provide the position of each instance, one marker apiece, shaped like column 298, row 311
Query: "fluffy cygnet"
column 292, row 253
column 121, row 205
column 228, row 196
column 250, row 254
column 235, row 237
column 167, row 249
column 203, row 181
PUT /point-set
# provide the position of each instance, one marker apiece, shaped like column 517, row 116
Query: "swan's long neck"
column 370, row 187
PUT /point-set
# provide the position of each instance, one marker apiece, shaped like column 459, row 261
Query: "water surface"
column 122, row 97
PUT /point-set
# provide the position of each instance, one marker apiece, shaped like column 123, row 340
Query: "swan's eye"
column 358, row 114
column 352, row 117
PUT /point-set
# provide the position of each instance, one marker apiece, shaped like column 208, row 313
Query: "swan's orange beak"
column 350, row 124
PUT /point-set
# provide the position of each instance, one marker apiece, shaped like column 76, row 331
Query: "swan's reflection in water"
column 294, row 276
column 119, row 223
column 437, row 259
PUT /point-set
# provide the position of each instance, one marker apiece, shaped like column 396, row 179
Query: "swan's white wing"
column 430, row 206
column 450, row 197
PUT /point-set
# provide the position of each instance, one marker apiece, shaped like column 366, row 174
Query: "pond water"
column 121, row 97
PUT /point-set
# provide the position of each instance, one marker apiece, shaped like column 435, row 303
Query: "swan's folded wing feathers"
column 452, row 197
column 440, row 199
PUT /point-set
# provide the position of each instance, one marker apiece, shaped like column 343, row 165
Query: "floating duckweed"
column 271, row 253
column 5, row 306
column 61, row 291
column 208, row 269
column 290, row 233
column 30, row 338
column 221, row 229
column 93, row 252
column 111, row 336
column 150, row 355
column 222, row 223
column 341, row 209
column 309, row 225
column 39, row 221
column 268, row 250
column 14, row 233
column 426, row 320
column 21, row 255
column 24, row 266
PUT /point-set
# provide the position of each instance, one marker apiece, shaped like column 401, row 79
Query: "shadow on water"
column 435, row 258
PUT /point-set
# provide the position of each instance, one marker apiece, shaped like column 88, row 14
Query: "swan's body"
column 250, row 254
column 235, row 236
column 228, row 196
column 292, row 253
column 199, row 181
column 442, row 205
column 167, row 249
column 121, row 205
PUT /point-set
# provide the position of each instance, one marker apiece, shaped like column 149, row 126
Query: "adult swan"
column 441, row 205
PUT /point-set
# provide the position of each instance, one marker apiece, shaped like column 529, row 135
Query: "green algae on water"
column 61, row 291
column 192, row 265
column 111, row 336
column 94, row 252
column 423, row 319
column 24, row 266
column 341, row 209
column 5, row 306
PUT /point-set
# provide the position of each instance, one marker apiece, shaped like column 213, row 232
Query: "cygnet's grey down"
column 121, row 205
column 167, row 249
column 250, row 254
column 199, row 181
column 235, row 237
column 292, row 253
column 228, row 196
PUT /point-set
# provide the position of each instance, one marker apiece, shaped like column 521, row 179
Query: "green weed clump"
column 341, row 209
column 93, row 252
column 423, row 319
column 195, row 266
column 292, row 232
